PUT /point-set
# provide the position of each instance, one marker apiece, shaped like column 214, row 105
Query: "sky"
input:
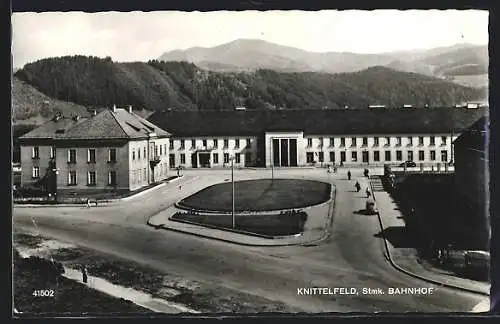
column 140, row 36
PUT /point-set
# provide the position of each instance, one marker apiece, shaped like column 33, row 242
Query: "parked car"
column 477, row 259
column 370, row 207
column 409, row 164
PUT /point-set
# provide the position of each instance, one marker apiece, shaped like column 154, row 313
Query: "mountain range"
column 252, row 54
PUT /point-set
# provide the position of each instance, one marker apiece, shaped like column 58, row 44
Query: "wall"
column 220, row 150
column 27, row 163
column 101, row 168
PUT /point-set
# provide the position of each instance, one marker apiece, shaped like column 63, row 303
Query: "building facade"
column 115, row 150
column 307, row 138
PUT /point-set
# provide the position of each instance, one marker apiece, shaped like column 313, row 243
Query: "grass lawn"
column 68, row 297
column 259, row 195
column 268, row 224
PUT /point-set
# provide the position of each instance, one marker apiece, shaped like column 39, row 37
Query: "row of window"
column 310, row 156
column 72, row 177
column 159, row 151
column 215, row 142
column 376, row 141
column 215, row 158
column 35, row 152
column 72, row 154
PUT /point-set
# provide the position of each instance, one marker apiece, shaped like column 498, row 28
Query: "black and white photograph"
column 250, row 162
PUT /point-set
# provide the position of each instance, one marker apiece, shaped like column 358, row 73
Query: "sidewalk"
column 405, row 258
column 316, row 228
column 104, row 202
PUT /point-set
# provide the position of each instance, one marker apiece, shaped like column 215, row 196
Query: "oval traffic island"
column 259, row 195
column 264, row 207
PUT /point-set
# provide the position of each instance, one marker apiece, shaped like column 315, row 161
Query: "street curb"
column 103, row 202
column 411, row 274
column 315, row 242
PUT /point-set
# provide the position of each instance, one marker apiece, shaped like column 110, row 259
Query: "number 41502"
column 43, row 293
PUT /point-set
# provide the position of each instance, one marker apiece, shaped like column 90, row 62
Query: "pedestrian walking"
column 366, row 173
column 334, row 169
column 349, row 175
column 368, row 193
column 180, row 187
column 357, row 186
column 84, row 274
column 88, row 203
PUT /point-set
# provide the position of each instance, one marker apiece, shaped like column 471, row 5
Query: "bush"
column 41, row 267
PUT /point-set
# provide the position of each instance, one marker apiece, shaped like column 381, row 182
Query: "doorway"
column 204, row 160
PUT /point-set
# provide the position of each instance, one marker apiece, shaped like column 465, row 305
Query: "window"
column 432, row 141
column 332, row 156
column 410, row 155
column 237, row 158
column 145, row 174
column 332, row 142
column 91, row 178
column 204, row 143
column 375, row 141
column 133, row 155
column 237, row 143
column 91, row 156
column 421, row 155
column 139, row 153
column 216, row 143
column 52, row 152
column 35, row 152
column 353, row 142
column 399, row 156
column 342, row 142
column 388, row 156
column 193, row 143
column 444, row 156
column 364, row 156
column 354, row 156
column 144, row 152
column 226, row 144
column 171, row 143
column 182, row 144
column 226, row 157
column 72, row 156
column 309, row 142
column 387, row 141
column 156, row 150
column 165, row 149
column 320, row 144
column 421, row 140
column 171, row 160
column 342, row 157
column 376, row 156
column 321, row 157
column 112, row 178
column 443, row 140
column 309, row 157
column 398, row 141
column 36, row 172
column 72, row 178
column 365, row 141
column 112, row 155
column 161, row 151
column 410, row 141
column 216, row 158
column 183, row 158
column 433, row 155
column 249, row 142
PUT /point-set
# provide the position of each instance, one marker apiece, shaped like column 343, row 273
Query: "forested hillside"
column 157, row 85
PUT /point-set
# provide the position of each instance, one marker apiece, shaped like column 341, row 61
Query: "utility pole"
column 232, row 184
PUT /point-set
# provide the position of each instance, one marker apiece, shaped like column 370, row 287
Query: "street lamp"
column 271, row 157
column 232, row 184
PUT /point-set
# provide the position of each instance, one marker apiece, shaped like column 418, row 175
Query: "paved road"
column 353, row 257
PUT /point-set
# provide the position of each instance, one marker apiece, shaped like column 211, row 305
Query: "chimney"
column 114, row 108
column 130, row 109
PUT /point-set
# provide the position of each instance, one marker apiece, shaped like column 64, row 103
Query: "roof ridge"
column 118, row 122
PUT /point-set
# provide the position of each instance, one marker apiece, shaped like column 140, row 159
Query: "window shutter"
column 69, row 177
column 88, row 177
column 69, row 155
column 109, row 177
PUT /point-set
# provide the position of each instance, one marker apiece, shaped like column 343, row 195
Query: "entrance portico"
column 202, row 158
column 283, row 149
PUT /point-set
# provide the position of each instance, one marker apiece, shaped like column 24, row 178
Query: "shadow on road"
column 364, row 212
column 398, row 236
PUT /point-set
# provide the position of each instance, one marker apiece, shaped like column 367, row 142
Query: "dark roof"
column 108, row 124
column 475, row 137
column 312, row 122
